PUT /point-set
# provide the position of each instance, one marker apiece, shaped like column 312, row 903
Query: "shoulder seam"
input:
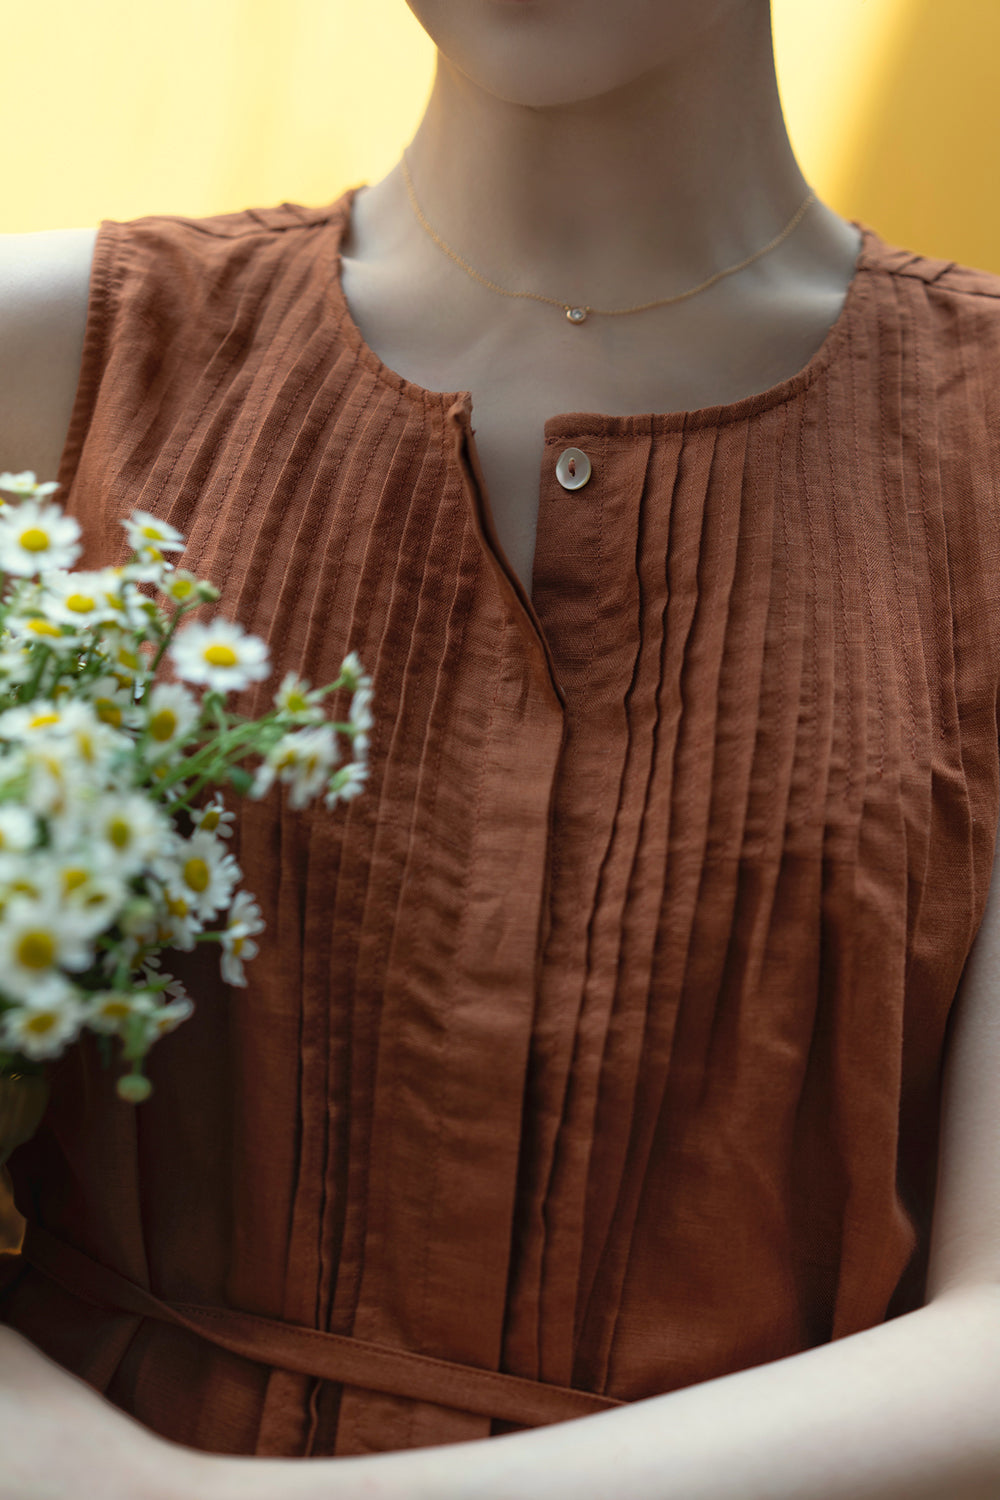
column 934, row 281
column 254, row 222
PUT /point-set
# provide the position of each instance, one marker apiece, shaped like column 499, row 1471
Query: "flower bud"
column 137, row 916
column 133, row 1088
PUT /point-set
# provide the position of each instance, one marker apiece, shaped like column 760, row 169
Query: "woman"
column 590, row 1066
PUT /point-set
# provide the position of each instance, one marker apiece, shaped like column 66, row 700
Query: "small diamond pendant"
column 576, row 314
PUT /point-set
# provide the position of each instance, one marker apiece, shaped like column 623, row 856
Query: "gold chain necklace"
column 580, row 314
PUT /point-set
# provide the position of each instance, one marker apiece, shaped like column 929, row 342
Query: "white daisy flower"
column 347, row 783
column 111, row 701
column 30, row 721
column 176, row 922
column 170, row 712
column 27, row 629
column 220, row 654
column 302, row 759
column 163, row 1015
column 139, row 923
column 353, row 673
column 109, row 1010
column 47, row 723
column 294, row 697
column 58, row 785
column 182, row 586
column 166, row 1018
column 76, row 599
column 174, row 987
column 119, row 590
column 44, row 767
column 147, row 532
column 20, row 875
column 35, row 537
column 127, row 664
column 131, row 829
column 94, row 740
column 95, row 895
column 236, row 939
column 214, row 818
column 38, row 938
column 198, row 871
column 149, row 567
column 43, row 1028
column 26, row 484
column 18, row 829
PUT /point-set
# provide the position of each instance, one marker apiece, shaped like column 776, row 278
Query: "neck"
column 639, row 193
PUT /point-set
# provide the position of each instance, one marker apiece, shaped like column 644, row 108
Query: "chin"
column 555, row 53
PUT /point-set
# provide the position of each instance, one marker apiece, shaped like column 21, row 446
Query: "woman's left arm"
column 909, row 1410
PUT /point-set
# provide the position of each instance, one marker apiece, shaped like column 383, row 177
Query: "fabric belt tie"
column 310, row 1351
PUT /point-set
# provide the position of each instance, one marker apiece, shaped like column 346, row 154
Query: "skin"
column 606, row 155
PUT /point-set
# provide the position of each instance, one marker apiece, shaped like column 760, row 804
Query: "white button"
column 573, row 469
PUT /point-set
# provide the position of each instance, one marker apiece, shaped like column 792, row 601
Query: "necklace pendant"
column 576, row 314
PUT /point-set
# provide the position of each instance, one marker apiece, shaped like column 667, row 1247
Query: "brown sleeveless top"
column 597, row 1046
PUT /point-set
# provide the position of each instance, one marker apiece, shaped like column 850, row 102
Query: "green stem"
column 44, row 652
column 171, row 631
column 216, row 755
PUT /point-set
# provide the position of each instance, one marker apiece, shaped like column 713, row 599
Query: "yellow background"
column 113, row 108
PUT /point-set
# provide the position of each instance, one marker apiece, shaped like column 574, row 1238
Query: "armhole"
column 101, row 295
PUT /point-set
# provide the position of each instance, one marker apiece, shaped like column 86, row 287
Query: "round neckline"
column 612, row 424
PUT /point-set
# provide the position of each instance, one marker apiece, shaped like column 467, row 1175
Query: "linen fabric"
column 599, row 1041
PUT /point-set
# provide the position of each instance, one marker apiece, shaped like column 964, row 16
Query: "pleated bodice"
column 599, row 1041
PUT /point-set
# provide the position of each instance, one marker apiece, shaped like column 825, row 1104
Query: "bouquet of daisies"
column 112, row 826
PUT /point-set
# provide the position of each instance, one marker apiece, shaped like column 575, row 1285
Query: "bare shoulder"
column 44, row 287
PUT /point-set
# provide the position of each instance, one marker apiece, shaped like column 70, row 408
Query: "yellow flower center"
column 210, row 819
column 41, row 1023
column 151, row 531
column 296, row 703
column 108, row 712
column 43, row 627
column 196, row 874
column 35, row 539
column 36, row 950
column 41, row 720
column 238, row 945
column 73, row 877
column 178, row 907
column 163, row 725
column 115, row 1010
column 221, row 656
column 181, row 588
column 82, row 604
column 120, row 833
